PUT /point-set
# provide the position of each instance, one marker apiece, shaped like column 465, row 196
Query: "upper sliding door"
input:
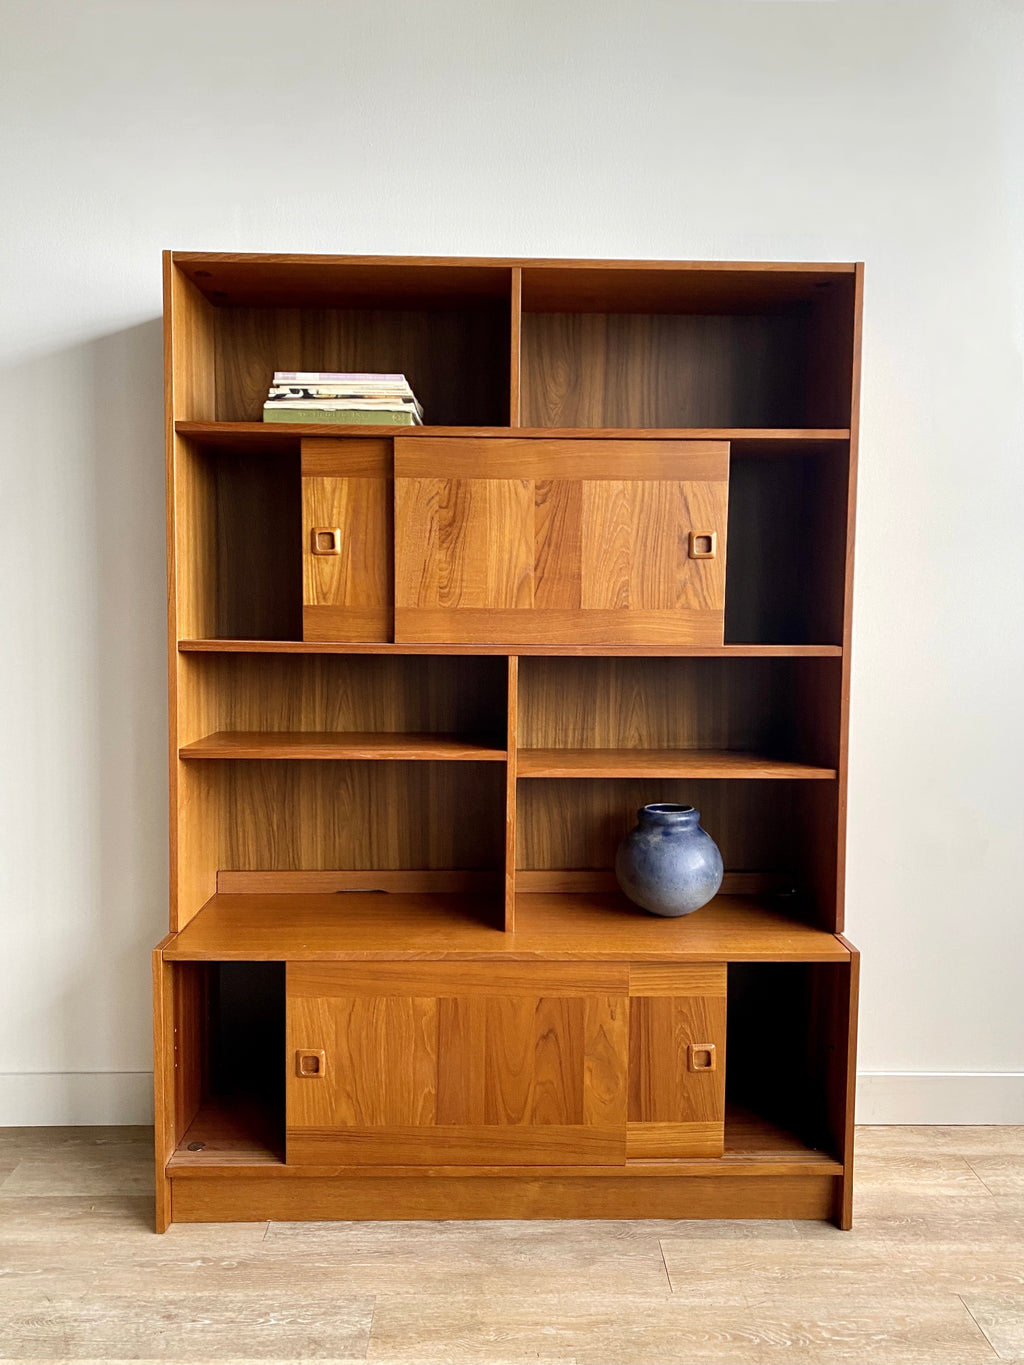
column 347, row 555
column 503, row 540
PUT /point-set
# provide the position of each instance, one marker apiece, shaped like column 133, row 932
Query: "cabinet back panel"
column 457, row 361
column 298, row 692
column 578, row 823
column 247, row 1017
column 787, row 550
column 310, row 815
column 664, row 370
column 259, row 540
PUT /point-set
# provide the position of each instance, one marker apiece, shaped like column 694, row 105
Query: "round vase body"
column 668, row 864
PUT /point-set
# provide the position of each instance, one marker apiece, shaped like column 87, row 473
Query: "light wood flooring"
column 932, row 1273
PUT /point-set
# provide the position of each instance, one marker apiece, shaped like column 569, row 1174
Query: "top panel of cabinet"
column 231, row 279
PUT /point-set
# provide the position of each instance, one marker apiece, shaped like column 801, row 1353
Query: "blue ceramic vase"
column 668, row 864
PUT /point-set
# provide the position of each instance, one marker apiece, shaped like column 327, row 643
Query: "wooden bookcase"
column 400, row 981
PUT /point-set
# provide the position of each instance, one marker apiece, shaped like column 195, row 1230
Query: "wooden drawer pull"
column 309, row 1064
column 703, row 544
column 326, row 540
column 702, row 1057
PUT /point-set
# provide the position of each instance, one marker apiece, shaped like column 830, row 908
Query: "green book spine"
column 340, row 417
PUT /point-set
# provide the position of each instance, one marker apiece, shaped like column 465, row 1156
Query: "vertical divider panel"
column 511, row 772
column 515, row 375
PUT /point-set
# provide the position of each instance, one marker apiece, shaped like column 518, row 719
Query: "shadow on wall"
column 84, row 795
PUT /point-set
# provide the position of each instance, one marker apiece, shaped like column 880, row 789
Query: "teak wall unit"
column 400, row 981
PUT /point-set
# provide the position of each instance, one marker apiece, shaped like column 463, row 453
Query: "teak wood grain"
column 322, row 815
column 529, row 541
column 607, row 369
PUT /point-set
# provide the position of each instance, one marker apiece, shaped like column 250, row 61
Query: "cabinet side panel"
column 191, row 587
column 163, row 1085
column 851, row 521
column 839, row 1025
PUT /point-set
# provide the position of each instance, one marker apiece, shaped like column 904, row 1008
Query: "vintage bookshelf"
column 399, row 979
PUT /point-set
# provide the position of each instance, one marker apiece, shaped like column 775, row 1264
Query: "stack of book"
column 318, row 396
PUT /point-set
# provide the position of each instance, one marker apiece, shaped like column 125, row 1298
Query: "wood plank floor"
column 932, row 1273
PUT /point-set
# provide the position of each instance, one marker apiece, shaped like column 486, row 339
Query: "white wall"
column 637, row 128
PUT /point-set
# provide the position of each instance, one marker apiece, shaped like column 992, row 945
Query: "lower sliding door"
column 457, row 1063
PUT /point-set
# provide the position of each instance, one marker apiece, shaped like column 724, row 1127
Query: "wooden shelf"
column 240, row 1135
column 271, row 436
column 228, row 646
column 718, row 763
column 341, row 745
column 392, row 927
column 751, row 1139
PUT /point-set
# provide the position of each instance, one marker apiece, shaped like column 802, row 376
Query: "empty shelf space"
column 709, row 763
column 393, row 926
column 231, row 1132
column 342, row 745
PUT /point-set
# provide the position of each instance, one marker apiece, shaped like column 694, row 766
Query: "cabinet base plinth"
column 252, row 1199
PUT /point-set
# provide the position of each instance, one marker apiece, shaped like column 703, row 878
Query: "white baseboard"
column 953, row 1097
column 44, row 1099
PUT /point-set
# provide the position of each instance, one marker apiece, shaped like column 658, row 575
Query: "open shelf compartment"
column 448, row 330
column 229, row 1063
column 664, row 717
column 336, row 706
column 773, row 835
column 640, row 347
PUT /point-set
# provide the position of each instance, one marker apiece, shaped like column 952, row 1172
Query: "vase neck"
column 669, row 815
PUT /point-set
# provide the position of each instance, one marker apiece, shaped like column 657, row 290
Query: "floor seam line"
column 668, row 1273
column 978, row 1176
column 979, row 1327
